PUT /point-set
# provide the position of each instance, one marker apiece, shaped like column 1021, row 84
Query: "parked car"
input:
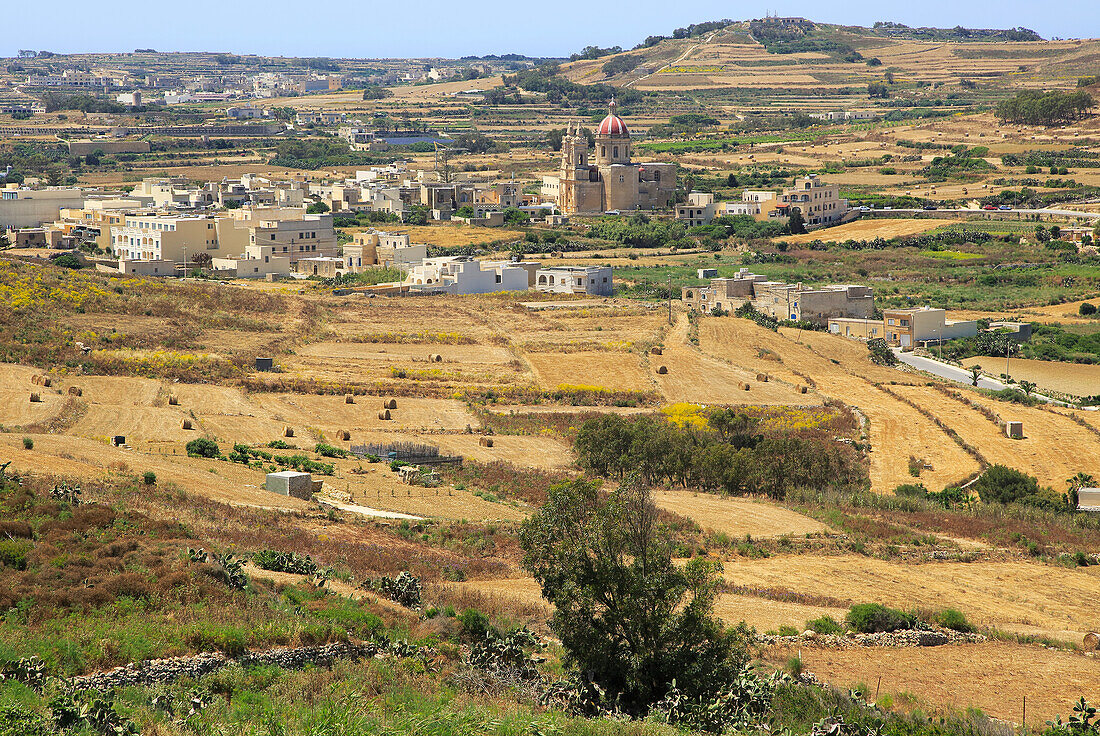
column 929, row 206
column 864, row 208
column 1005, row 207
column 990, row 207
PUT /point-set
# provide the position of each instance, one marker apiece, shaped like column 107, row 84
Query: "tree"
column 975, row 374
column 630, row 620
column 1027, row 387
column 881, row 354
column 1087, row 309
column 1002, row 484
column 317, row 208
column 795, row 223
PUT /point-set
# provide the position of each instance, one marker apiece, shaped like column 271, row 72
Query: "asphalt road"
column 945, row 370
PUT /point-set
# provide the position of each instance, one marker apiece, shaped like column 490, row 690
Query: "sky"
column 432, row 28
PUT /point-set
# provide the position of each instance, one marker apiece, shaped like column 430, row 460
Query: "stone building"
column 613, row 181
column 783, row 301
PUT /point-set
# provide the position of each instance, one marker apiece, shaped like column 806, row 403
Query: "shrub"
column 203, row 447
column 13, row 553
column 292, row 562
column 404, row 588
column 1087, row 309
column 870, row 618
column 329, row 450
column 954, row 619
column 28, row 443
column 911, row 490
column 825, row 625
column 475, row 625
column 880, row 352
column 1003, row 484
column 149, row 478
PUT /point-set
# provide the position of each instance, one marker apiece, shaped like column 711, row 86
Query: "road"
column 946, row 370
column 674, row 63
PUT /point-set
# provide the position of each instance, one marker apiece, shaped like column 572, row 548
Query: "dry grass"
column 1070, row 378
column 737, row 517
column 1015, row 596
column 611, row 370
column 994, row 676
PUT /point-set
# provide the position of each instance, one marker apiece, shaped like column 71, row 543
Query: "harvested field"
column 694, row 376
column 330, row 413
column 404, row 353
column 737, row 516
column 617, row 371
column 1027, row 597
column 1041, row 453
column 1077, row 379
column 524, row 451
column 767, row 615
column 993, row 676
column 868, row 229
column 457, row 234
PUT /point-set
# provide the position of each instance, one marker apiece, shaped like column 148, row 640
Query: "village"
column 331, row 388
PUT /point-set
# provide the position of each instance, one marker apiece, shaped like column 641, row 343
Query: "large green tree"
column 630, row 619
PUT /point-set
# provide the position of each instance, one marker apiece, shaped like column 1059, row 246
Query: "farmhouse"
column 781, row 300
column 906, row 327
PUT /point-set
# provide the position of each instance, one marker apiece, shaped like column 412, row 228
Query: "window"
column 615, row 152
column 603, row 150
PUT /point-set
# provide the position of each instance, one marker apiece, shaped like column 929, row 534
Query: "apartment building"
column 291, row 232
column 819, row 202
column 378, row 248
column 258, row 261
column 781, row 300
column 590, row 280
column 21, row 207
column 697, row 210
column 159, row 237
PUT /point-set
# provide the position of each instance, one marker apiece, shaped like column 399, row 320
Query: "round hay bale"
column 76, row 391
column 389, row 404
column 35, row 398
column 185, row 424
column 36, row 379
column 349, row 399
column 47, row 381
column 173, row 400
column 288, row 431
column 746, row 386
column 384, row 414
column 802, row 389
column 435, row 358
column 762, row 377
column 1092, row 642
column 486, row 442
column 343, row 435
column 662, row 370
column 657, row 351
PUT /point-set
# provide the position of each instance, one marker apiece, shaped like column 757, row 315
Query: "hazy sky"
column 451, row 29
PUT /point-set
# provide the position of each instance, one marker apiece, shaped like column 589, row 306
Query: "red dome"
column 613, row 125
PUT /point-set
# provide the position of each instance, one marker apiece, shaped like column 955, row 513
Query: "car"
column 929, row 206
column 990, row 207
column 1005, row 207
column 864, row 208
column 887, row 208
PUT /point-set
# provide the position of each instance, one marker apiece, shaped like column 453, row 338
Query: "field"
column 868, row 229
column 1069, row 378
column 737, row 517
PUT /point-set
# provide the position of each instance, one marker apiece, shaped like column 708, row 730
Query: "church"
column 612, row 182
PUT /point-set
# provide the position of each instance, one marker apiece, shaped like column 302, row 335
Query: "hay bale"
column 36, row 379
column 343, row 435
column 802, row 389
column 35, row 398
column 384, row 414
column 1092, row 642
column 486, row 442
column 662, row 370
column 185, row 423
column 657, row 351
column 288, row 431
column 389, row 404
column 76, row 391
column 349, row 399
column 47, row 381
column 435, row 358
column 745, row 386
column 173, row 400
column 762, row 377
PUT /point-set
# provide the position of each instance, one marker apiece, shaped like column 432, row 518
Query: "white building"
column 591, row 280
column 464, row 275
column 258, row 261
column 697, row 210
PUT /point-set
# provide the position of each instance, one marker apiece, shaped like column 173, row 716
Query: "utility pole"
column 1008, row 347
column 670, row 298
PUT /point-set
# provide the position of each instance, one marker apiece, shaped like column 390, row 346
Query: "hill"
column 796, row 54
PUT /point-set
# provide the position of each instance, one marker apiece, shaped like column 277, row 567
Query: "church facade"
column 611, row 181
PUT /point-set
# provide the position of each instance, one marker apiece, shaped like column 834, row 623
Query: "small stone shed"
column 290, row 483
